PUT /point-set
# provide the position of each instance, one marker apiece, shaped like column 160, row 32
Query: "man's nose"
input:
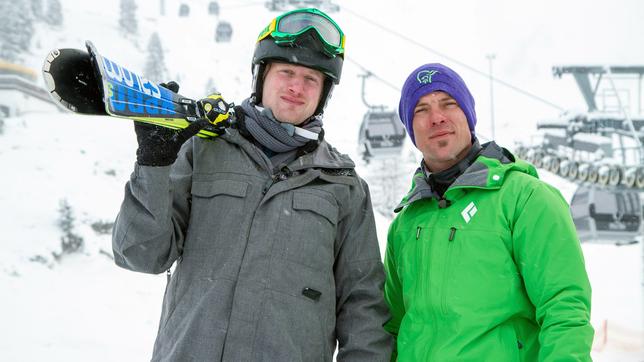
column 295, row 85
column 436, row 116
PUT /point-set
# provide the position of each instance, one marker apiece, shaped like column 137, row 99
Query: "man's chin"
column 290, row 118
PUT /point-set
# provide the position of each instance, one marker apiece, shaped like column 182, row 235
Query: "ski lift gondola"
column 381, row 132
column 184, row 10
column 213, row 8
column 281, row 5
column 276, row 5
column 606, row 215
column 223, row 32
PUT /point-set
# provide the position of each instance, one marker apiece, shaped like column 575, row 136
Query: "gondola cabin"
column 223, row 32
column 381, row 133
column 607, row 215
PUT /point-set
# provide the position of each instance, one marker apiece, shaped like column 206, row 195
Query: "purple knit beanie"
column 429, row 78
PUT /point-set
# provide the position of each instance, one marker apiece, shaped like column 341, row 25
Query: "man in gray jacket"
column 271, row 230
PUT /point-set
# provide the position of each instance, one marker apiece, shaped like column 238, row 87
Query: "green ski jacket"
column 493, row 272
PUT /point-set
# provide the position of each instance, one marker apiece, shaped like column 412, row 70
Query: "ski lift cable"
column 372, row 74
column 453, row 60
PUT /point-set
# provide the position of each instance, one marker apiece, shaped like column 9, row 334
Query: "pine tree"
column 70, row 242
column 155, row 69
column 54, row 15
column 16, row 30
column 127, row 20
column 210, row 86
column 36, row 9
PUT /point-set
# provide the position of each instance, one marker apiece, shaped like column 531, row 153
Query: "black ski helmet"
column 305, row 46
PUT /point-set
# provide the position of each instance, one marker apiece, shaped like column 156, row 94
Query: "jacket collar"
column 487, row 172
column 324, row 156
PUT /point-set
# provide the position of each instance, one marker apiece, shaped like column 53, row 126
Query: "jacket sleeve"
column 393, row 290
column 550, row 260
column 361, row 311
column 149, row 230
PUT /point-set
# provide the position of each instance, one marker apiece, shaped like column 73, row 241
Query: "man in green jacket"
column 483, row 261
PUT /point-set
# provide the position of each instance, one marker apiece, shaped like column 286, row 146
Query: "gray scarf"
column 275, row 135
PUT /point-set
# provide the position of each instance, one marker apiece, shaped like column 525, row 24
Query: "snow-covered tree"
column 127, row 20
column 70, row 241
column 54, row 14
column 16, row 30
column 155, row 69
column 37, row 9
column 211, row 87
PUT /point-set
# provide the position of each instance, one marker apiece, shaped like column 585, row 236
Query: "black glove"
column 159, row 146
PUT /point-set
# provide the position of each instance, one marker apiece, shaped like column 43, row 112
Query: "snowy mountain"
column 64, row 174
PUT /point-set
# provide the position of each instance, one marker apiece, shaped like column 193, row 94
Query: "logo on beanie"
column 425, row 76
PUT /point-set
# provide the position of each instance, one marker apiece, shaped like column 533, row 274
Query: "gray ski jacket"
column 269, row 267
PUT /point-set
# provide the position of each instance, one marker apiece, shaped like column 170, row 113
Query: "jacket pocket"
column 217, row 206
column 217, row 218
column 483, row 274
column 219, row 187
column 290, row 329
column 310, row 229
column 511, row 343
column 319, row 205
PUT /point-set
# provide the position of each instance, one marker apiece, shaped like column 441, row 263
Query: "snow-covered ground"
column 82, row 307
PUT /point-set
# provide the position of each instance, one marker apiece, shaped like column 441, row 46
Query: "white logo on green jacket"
column 468, row 212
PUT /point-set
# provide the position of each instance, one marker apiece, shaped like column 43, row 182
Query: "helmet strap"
column 327, row 90
column 257, row 86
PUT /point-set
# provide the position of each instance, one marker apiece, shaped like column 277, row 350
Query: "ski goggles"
column 286, row 28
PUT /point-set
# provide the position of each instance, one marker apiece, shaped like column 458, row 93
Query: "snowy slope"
column 84, row 308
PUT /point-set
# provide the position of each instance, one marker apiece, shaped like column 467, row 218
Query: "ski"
column 86, row 82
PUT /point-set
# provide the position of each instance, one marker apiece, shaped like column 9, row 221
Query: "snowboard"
column 87, row 82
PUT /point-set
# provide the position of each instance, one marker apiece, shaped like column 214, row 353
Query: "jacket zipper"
column 271, row 181
column 282, row 175
column 448, row 262
column 452, row 232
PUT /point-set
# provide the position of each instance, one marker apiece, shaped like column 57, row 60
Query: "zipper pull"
column 282, row 175
column 418, row 232
column 268, row 185
column 443, row 203
column 285, row 173
column 452, row 232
